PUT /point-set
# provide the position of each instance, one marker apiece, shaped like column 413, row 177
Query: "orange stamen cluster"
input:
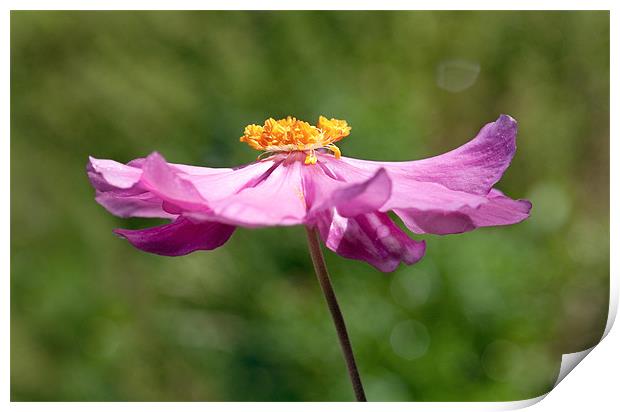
column 290, row 135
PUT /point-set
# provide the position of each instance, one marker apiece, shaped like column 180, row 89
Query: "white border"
column 593, row 383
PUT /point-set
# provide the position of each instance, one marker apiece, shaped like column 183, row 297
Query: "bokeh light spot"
column 410, row 339
column 457, row 75
column 412, row 288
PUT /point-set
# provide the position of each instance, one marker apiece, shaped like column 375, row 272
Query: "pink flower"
column 305, row 181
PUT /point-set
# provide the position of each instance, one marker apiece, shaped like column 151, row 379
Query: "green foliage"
column 485, row 316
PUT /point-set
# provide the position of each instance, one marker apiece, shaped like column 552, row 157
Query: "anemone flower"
column 301, row 179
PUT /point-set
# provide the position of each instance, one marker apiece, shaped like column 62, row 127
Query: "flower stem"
column 326, row 285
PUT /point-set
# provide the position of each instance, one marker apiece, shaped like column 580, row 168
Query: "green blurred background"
column 485, row 315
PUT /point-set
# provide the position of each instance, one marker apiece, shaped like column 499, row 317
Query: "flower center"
column 292, row 135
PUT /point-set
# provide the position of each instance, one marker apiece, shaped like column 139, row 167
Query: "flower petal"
column 107, row 174
column 118, row 189
column 450, row 193
column 351, row 195
column 143, row 204
column 214, row 186
column 283, row 191
column 428, row 196
column 438, row 222
column 372, row 237
column 179, row 237
column 474, row 167
column 276, row 198
column 365, row 197
column 167, row 183
column 405, row 192
column 496, row 211
column 151, row 187
column 501, row 210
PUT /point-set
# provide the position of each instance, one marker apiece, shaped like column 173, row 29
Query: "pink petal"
column 427, row 196
column 276, row 198
column 107, row 174
column 372, row 237
column 132, row 205
column 405, row 192
column 351, row 195
column 151, row 187
column 283, row 191
column 206, row 193
column 497, row 210
column 186, row 169
column 474, row 167
column 450, row 193
column 118, row 190
column 218, row 184
column 179, row 237
column 167, row 183
column 438, row 222
column 501, row 210
column 365, row 197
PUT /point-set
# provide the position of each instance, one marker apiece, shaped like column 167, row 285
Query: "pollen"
column 292, row 135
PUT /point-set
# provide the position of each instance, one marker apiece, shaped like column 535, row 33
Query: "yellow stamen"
column 290, row 135
column 334, row 149
column 310, row 158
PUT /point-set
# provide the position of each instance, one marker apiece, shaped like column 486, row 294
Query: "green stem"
column 326, row 285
